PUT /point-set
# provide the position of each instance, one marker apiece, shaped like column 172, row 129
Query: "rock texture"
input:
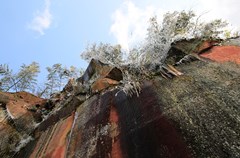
column 195, row 114
column 223, row 54
column 205, row 107
column 17, row 122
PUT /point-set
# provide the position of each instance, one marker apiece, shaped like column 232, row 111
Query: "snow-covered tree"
column 104, row 52
column 176, row 26
column 151, row 55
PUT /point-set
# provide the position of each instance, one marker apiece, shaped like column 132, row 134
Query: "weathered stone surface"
column 113, row 126
column 17, row 122
column 9, row 140
column 17, row 110
column 192, row 115
column 4, row 99
column 53, row 142
column 223, row 54
column 203, row 105
column 232, row 42
column 109, row 126
column 102, row 84
column 100, row 76
column 181, row 50
column 98, row 69
column 194, row 45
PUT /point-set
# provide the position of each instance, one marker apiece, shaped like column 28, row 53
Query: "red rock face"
column 102, row 84
column 144, row 131
column 205, row 45
column 15, row 120
column 115, row 131
column 223, row 54
column 113, row 126
column 53, row 142
column 17, row 109
column 19, row 103
column 110, row 126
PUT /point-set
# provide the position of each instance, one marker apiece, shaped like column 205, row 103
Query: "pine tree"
column 57, row 77
column 24, row 80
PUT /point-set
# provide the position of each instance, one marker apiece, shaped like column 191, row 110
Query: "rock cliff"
column 194, row 114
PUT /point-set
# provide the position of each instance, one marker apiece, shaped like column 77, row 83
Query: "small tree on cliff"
column 24, row 80
column 57, row 77
column 104, row 52
column 4, row 70
column 27, row 77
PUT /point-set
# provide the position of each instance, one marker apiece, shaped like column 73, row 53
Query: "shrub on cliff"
column 143, row 60
column 174, row 27
column 104, row 52
column 154, row 50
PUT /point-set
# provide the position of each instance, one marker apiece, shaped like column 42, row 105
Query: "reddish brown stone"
column 106, row 75
column 20, row 102
column 53, row 142
column 114, row 132
column 110, row 125
column 193, row 46
column 103, row 83
column 204, row 46
column 223, row 54
column 18, row 110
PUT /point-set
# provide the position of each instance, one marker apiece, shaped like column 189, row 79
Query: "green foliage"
column 3, row 68
column 57, row 77
column 74, row 72
column 104, row 52
column 24, row 80
column 6, row 77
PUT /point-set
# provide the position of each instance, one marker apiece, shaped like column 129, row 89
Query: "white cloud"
column 130, row 22
column 224, row 9
column 42, row 19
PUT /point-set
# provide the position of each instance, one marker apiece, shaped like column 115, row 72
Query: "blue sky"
column 57, row 31
column 73, row 24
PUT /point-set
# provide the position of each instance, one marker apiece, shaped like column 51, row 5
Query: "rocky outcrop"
column 223, row 54
column 195, row 114
column 203, row 105
column 17, row 122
